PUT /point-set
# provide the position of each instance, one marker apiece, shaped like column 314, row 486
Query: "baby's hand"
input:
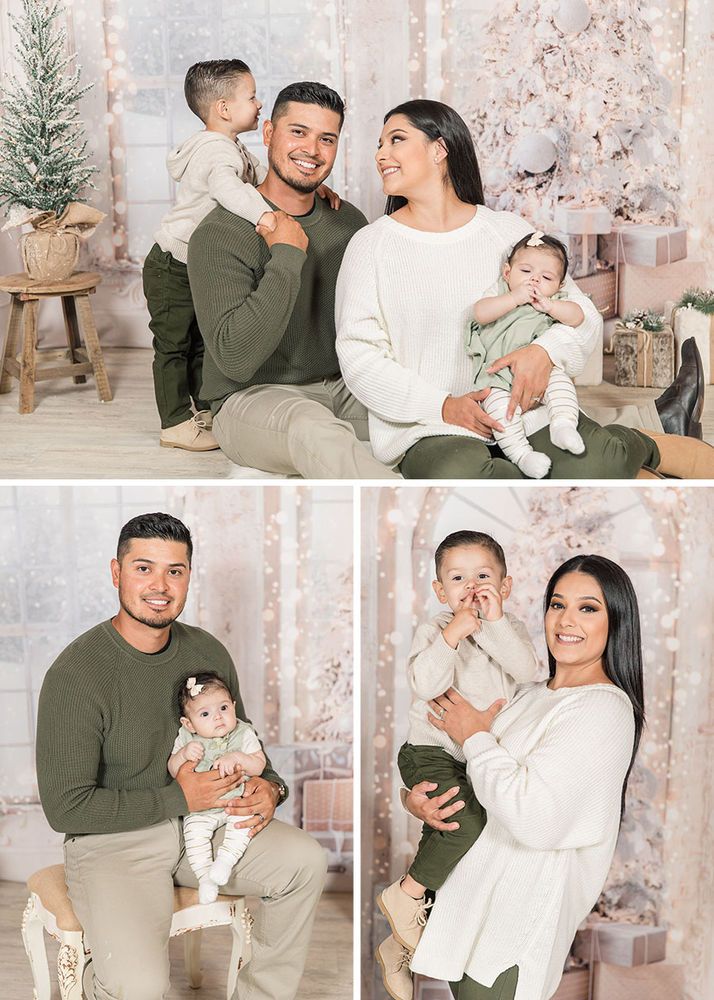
column 522, row 295
column 490, row 601
column 540, row 302
column 227, row 764
column 268, row 222
column 194, row 751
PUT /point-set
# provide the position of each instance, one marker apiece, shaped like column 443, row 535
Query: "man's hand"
column 435, row 811
column 287, row 230
column 490, row 601
column 464, row 411
column 333, row 199
column 464, row 623
column 531, row 367
column 258, row 803
column 203, row 791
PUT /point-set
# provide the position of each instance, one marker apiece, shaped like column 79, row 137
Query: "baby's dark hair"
column 459, row 539
column 208, row 81
column 207, row 680
column 548, row 243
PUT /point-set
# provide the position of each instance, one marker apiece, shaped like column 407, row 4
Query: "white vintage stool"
column 49, row 909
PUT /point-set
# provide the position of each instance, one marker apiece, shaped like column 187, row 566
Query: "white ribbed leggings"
column 561, row 403
column 198, row 829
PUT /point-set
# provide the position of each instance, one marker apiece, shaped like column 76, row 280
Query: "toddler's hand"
column 194, row 751
column 333, row 199
column 268, row 222
column 464, row 623
column 490, row 601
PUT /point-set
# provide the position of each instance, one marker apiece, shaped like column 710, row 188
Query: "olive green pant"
column 178, row 345
column 611, row 452
column 439, row 851
column 504, row 987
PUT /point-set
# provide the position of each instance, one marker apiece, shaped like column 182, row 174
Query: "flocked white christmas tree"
column 43, row 159
column 330, row 677
column 569, row 106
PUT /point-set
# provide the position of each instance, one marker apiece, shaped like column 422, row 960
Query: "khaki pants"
column 311, row 430
column 121, row 887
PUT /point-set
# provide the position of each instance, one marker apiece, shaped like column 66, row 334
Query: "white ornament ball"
column 573, row 16
column 495, row 178
column 535, row 153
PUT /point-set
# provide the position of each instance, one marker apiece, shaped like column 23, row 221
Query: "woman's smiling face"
column 577, row 622
column 406, row 159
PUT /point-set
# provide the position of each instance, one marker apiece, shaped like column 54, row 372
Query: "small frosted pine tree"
column 43, row 158
column 569, row 106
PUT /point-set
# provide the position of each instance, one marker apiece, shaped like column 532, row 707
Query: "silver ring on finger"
column 442, row 713
column 262, row 817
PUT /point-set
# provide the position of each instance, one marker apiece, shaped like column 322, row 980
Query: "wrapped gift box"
column 644, row 245
column 621, row 944
column 578, row 221
column 602, row 289
column 582, row 253
column 643, row 358
column 650, row 287
column 573, row 986
column 659, row 981
column 693, row 323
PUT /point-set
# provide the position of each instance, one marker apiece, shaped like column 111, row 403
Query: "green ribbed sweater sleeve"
column 244, row 294
column 107, row 719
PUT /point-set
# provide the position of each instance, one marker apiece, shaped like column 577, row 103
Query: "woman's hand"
column 531, row 367
column 433, row 811
column 459, row 719
column 464, row 411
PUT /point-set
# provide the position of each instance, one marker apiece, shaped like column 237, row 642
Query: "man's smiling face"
column 302, row 144
column 152, row 580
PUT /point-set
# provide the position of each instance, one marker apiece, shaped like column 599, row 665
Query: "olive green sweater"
column 267, row 316
column 107, row 719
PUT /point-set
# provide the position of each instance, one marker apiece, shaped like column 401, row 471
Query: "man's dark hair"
column 208, row 681
column 549, row 244
column 308, row 93
column 207, row 82
column 163, row 526
column 459, row 539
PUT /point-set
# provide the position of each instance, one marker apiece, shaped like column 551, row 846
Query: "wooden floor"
column 328, row 974
column 71, row 435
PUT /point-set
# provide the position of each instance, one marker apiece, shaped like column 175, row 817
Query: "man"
column 265, row 306
column 107, row 720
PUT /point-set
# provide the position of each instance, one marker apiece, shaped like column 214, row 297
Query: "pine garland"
column 43, row 158
column 698, row 298
column 645, row 319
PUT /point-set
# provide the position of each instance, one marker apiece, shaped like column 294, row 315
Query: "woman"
column 404, row 297
column 551, row 770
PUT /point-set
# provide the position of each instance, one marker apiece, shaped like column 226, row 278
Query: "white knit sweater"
column 403, row 304
column 484, row 667
column 549, row 775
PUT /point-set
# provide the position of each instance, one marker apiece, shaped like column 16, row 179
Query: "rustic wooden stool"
column 26, row 294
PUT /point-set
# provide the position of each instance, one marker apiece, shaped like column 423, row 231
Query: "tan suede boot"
column 191, row 435
column 683, row 457
column 394, row 960
column 406, row 916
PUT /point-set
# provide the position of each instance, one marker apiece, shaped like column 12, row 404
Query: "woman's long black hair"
column 622, row 659
column 439, row 121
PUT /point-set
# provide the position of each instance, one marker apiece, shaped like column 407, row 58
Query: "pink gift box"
column 622, row 944
column 643, row 245
column 582, row 253
column 650, row 287
column 659, row 981
column 579, row 221
column 601, row 287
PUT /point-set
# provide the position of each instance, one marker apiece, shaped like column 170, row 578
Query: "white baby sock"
column 512, row 439
column 561, row 402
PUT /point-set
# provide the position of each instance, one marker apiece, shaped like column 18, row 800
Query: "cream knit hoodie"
column 403, row 305
column 210, row 170
column 484, row 667
column 549, row 775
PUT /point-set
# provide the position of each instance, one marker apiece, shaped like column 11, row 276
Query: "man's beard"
column 305, row 186
column 151, row 622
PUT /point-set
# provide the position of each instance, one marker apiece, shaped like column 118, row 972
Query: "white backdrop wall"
column 272, row 579
column 663, row 871
column 375, row 52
